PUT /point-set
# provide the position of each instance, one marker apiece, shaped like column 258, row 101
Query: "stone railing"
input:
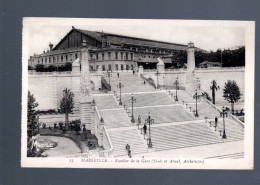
column 107, row 144
column 150, row 82
column 106, row 141
column 177, row 69
column 105, row 85
column 220, row 111
column 150, row 70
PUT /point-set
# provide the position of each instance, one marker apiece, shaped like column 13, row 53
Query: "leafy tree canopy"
column 231, row 91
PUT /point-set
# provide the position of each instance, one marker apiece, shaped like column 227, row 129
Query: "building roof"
column 117, row 39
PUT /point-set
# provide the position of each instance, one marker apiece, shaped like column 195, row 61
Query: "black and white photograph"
column 137, row 93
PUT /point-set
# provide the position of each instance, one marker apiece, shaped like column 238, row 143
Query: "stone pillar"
column 76, row 85
column 191, row 58
column 86, row 97
column 190, row 85
column 161, row 70
column 140, row 70
column 160, row 65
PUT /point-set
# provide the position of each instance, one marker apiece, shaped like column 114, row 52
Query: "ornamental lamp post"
column 120, row 85
column 224, row 113
column 150, row 121
column 132, row 100
column 177, row 86
column 196, row 97
column 157, row 74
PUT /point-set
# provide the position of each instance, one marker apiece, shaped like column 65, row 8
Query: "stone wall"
column 206, row 76
column 47, row 88
column 221, row 76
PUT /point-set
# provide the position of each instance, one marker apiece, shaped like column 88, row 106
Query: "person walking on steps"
column 145, row 128
column 216, row 121
column 117, row 74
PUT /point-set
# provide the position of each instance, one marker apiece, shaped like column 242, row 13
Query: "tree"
column 231, row 93
column 32, row 122
column 214, row 87
column 67, row 105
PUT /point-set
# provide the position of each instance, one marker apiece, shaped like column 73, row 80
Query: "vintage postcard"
column 135, row 93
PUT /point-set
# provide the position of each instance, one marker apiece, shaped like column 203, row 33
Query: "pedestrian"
column 84, row 132
column 145, row 128
column 117, row 74
column 133, row 72
column 139, row 121
column 144, row 82
column 216, row 121
column 127, row 147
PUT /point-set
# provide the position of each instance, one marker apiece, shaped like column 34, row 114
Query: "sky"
column 207, row 35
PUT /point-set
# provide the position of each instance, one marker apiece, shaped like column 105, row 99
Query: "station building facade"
column 107, row 51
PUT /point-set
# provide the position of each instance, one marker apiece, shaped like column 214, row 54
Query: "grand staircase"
column 182, row 136
column 132, row 137
column 175, row 125
column 131, row 83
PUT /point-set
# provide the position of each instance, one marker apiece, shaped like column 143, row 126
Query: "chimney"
column 51, row 46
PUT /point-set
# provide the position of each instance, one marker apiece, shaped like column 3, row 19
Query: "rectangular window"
column 103, row 56
column 96, row 56
column 61, row 58
column 109, row 56
column 132, row 56
column 132, row 67
column 103, row 67
column 91, row 56
column 127, row 67
column 91, row 67
column 116, row 66
column 122, row 55
column 126, row 56
column 76, row 55
column 71, row 58
column 109, row 67
column 122, row 66
column 116, row 55
column 96, row 67
column 66, row 58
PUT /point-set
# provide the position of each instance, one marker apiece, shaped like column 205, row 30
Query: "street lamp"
column 120, row 86
column 177, row 86
column 224, row 113
column 150, row 121
column 132, row 100
column 109, row 75
column 196, row 96
column 157, row 74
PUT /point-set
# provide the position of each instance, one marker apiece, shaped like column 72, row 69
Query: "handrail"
column 105, row 84
column 148, row 81
column 109, row 151
column 229, row 115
